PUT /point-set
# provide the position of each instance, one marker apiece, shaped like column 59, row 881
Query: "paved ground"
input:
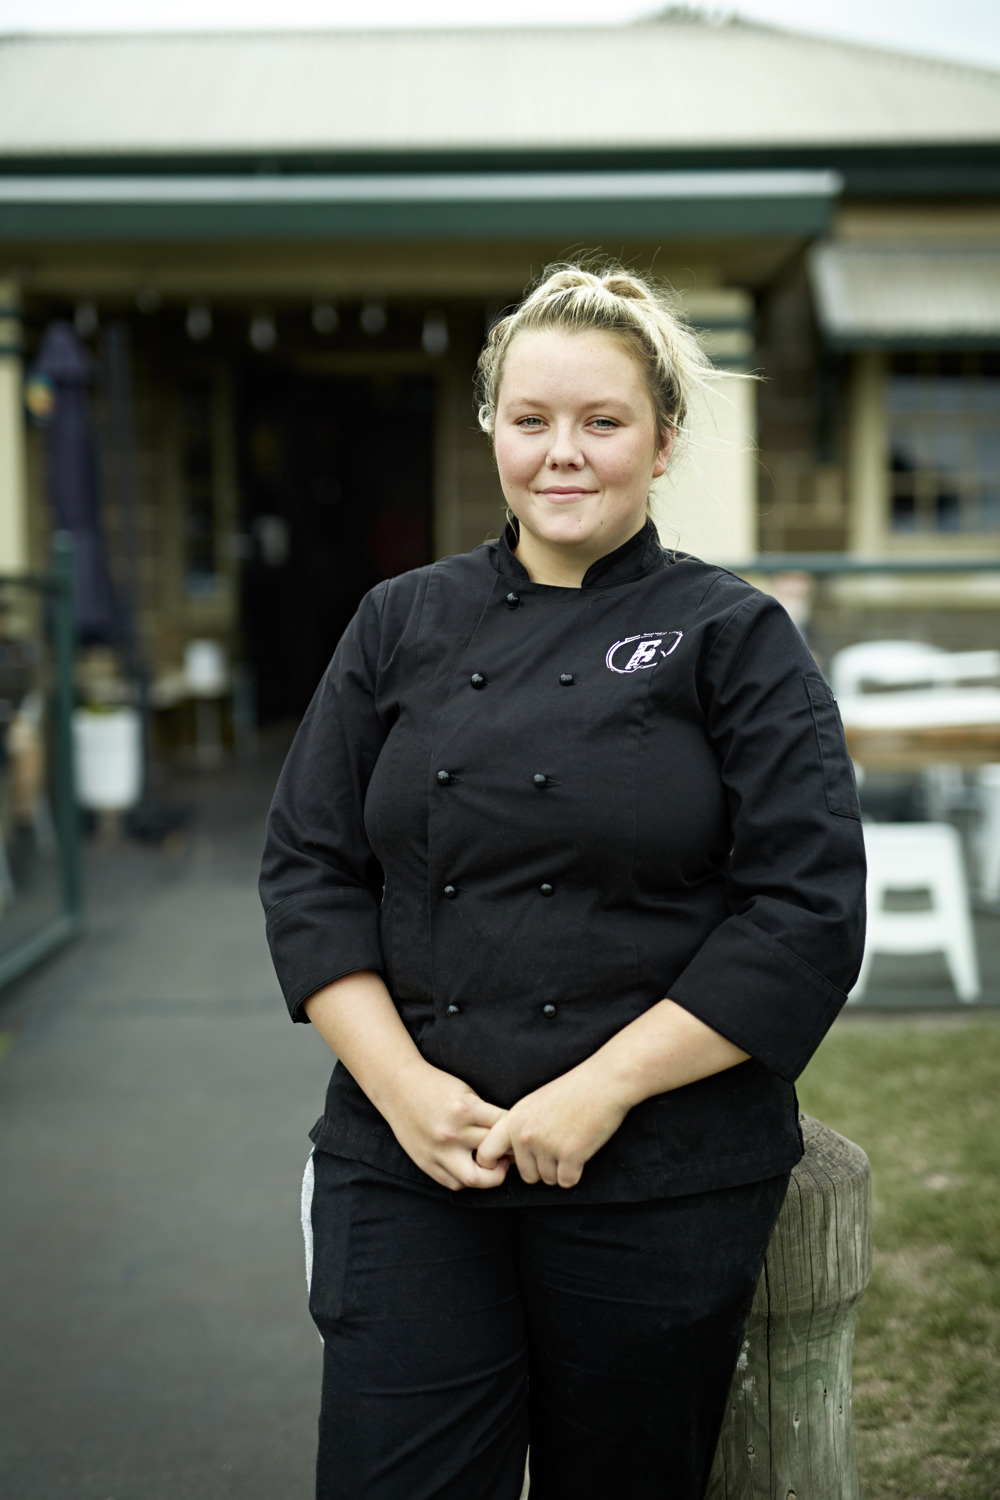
column 153, row 1115
column 154, row 1104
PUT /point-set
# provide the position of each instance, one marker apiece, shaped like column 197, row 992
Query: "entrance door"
column 336, row 476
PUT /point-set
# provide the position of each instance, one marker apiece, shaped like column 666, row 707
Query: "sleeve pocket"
column 838, row 773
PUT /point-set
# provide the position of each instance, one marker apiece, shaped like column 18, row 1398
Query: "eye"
column 531, row 423
column 604, row 424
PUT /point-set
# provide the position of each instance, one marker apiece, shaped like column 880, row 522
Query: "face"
column 577, row 447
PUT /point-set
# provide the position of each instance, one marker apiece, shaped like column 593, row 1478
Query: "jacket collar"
column 640, row 555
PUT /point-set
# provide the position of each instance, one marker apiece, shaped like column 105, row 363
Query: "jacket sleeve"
column 773, row 976
column 320, row 883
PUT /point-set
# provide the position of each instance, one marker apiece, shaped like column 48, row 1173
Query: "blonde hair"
column 645, row 318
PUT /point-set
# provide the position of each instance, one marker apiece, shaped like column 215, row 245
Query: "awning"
column 417, row 205
column 897, row 297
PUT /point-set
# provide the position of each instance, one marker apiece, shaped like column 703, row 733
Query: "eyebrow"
column 605, row 403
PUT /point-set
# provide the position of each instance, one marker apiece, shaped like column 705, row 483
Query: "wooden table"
column 906, row 731
column 911, row 750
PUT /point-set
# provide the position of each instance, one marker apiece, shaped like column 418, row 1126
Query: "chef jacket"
column 537, row 811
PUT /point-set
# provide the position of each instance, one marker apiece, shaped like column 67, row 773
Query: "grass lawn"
column 923, row 1099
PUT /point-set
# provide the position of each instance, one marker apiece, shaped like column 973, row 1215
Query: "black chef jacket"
column 537, row 811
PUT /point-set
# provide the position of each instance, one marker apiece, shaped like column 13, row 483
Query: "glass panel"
column 32, row 874
column 198, row 480
column 944, row 443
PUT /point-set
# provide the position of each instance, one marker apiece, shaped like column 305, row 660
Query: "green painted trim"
column 55, row 935
column 799, row 217
column 67, row 818
column 904, row 344
column 935, row 165
column 44, row 582
column 844, row 562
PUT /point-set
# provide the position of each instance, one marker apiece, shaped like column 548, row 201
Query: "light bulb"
column 85, row 319
column 325, row 317
column 373, row 317
column 198, row 322
column 263, row 333
column 434, row 337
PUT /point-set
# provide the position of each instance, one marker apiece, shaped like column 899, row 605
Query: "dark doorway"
column 336, row 478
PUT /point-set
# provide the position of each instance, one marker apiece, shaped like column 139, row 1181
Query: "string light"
column 373, row 317
column 325, row 318
column 263, row 331
column 434, row 337
column 85, row 319
column 198, row 322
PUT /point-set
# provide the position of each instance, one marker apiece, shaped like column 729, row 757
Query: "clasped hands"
column 460, row 1140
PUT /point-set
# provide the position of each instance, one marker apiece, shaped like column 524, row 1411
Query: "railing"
column 39, row 822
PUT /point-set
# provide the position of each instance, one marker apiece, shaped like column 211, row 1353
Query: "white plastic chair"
column 919, row 856
column 987, row 835
column 877, row 662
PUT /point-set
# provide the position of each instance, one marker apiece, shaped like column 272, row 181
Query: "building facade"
column 299, row 241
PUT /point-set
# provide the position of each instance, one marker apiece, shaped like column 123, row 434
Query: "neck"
column 550, row 565
column 560, row 567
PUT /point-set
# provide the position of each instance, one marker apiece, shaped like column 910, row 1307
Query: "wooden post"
column 788, row 1432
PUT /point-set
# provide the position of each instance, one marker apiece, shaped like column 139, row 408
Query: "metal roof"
column 661, row 84
column 871, row 296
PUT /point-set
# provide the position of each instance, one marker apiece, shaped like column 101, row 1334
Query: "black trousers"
column 604, row 1335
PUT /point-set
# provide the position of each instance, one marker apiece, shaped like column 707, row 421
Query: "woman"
column 565, row 864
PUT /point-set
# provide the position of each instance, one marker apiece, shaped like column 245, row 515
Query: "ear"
column 663, row 452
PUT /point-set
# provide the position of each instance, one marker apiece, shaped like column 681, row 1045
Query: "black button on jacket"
column 697, row 825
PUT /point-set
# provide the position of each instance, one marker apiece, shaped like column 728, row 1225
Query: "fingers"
column 459, row 1170
column 495, row 1144
column 487, row 1177
column 483, row 1113
column 537, row 1163
column 442, row 1176
column 568, row 1174
column 466, row 1172
column 554, row 1171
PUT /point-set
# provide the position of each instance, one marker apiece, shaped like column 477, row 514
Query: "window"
column 944, row 444
column 198, row 481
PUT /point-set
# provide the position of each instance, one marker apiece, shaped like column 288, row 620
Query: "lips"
column 559, row 493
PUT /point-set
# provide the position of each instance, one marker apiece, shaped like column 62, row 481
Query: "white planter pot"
column 107, row 751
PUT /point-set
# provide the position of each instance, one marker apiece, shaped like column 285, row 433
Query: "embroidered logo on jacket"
column 646, row 650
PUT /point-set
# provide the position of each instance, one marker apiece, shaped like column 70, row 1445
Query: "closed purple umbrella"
column 73, row 481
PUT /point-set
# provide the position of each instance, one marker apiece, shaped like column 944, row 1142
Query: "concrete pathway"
column 154, row 1104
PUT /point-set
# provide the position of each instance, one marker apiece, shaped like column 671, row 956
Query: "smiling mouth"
column 560, row 493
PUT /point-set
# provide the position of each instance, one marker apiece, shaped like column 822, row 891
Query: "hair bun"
column 568, row 278
column 629, row 288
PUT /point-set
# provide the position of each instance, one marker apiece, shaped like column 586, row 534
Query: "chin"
column 566, row 534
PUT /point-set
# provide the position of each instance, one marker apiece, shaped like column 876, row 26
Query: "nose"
column 564, row 448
